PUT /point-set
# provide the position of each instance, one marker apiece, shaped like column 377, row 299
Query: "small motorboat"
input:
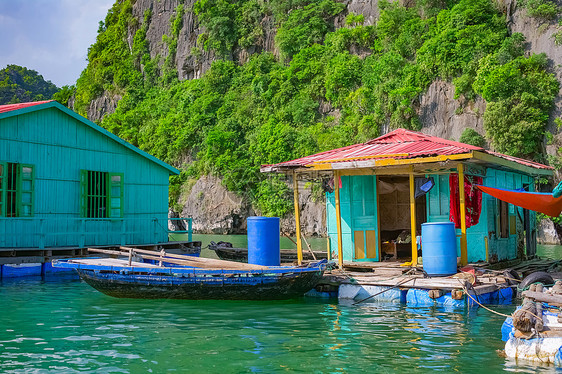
column 225, row 251
column 191, row 277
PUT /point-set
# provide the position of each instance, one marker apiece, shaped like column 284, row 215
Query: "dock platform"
column 392, row 282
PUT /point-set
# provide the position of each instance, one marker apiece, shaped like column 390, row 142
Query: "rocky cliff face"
column 215, row 209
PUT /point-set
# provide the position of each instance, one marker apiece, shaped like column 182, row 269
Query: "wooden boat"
column 225, row 251
column 191, row 277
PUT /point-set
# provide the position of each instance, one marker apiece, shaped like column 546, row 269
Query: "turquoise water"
column 67, row 327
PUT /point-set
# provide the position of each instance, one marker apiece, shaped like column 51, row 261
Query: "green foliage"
column 111, row 66
column 19, row 84
column 545, row 9
column 331, row 88
column 306, row 26
column 64, row 95
column 470, row 136
column 520, row 96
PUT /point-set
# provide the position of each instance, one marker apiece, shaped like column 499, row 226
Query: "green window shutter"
column 3, row 186
column 116, row 187
column 83, row 193
column 25, row 190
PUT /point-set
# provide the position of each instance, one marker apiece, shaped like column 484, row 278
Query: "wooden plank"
column 425, row 283
column 544, row 297
column 359, row 245
column 221, row 264
column 186, row 260
column 462, row 215
column 413, row 220
column 297, row 216
column 338, row 218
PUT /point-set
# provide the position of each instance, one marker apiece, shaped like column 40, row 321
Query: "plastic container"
column 21, row 270
column 439, row 248
column 263, row 241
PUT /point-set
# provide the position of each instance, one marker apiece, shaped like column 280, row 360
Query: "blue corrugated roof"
column 15, row 110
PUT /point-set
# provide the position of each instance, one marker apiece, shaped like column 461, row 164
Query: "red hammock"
column 537, row 201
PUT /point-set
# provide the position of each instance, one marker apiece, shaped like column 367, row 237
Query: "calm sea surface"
column 65, row 326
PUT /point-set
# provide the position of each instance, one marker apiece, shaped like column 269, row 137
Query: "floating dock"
column 391, row 282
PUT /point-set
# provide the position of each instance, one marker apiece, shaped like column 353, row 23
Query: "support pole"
column 413, row 220
column 297, row 217
column 464, row 255
column 338, row 218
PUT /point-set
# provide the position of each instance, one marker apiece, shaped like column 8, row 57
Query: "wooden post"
column 297, row 217
column 338, row 218
column 464, row 255
column 329, row 249
column 413, row 220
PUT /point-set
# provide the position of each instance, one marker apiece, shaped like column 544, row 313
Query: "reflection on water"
column 549, row 251
column 69, row 327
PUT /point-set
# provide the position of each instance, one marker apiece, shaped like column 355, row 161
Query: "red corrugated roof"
column 10, row 107
column 398, row 144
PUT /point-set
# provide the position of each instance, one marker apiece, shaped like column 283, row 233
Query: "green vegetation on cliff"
column 19, row 85
column 332, row 86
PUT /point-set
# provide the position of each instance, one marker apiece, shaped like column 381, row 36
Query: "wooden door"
column 364, row 215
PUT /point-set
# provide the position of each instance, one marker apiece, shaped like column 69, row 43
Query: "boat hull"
column 236, row 286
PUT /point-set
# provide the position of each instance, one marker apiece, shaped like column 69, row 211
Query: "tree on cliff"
column 19, row 84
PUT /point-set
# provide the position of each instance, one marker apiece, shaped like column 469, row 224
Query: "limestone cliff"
column 215, row 209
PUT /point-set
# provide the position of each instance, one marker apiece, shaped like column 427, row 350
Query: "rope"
column 480, row 304
column 383, row 291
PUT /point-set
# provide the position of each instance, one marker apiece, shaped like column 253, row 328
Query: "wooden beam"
column 413, row 220
column 358, row 164
column 464, row 254
column 297, row 217
column 338, row 218
column 495, row 160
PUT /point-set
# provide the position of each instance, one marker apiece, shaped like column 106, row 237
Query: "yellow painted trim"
column 297, row 217
column 320, row 166
column 413, row 220
column 329, row 249
column 464, row 254
column 486, row 246
column 359, row 158
column 338, row 218
column 423, row 160
column 394, row 162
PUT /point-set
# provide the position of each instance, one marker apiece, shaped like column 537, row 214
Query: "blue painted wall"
column 59, row 146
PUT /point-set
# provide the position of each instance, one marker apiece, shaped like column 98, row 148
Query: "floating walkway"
column 390, row 282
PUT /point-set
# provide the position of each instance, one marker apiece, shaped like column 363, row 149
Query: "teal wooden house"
column 66, row 182
column 373, row 212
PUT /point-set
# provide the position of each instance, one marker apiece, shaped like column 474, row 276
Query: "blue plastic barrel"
column 263, row 241
column 439, row 248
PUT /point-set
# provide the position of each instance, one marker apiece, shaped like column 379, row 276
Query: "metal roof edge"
column 530, row 170
column 55, row 104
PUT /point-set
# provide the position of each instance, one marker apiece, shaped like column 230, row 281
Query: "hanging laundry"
column 422, row 186
column 472, row 200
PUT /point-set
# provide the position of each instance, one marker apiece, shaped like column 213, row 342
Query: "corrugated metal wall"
column 59, row 146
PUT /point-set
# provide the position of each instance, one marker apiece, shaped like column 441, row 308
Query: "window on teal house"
column 101, row 194
column 17, row 182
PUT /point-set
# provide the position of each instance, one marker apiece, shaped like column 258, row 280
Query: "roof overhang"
column 392, row 165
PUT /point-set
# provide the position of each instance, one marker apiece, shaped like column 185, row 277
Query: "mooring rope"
column 383, row 291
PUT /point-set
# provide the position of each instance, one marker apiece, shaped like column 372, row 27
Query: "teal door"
column 364, row 222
